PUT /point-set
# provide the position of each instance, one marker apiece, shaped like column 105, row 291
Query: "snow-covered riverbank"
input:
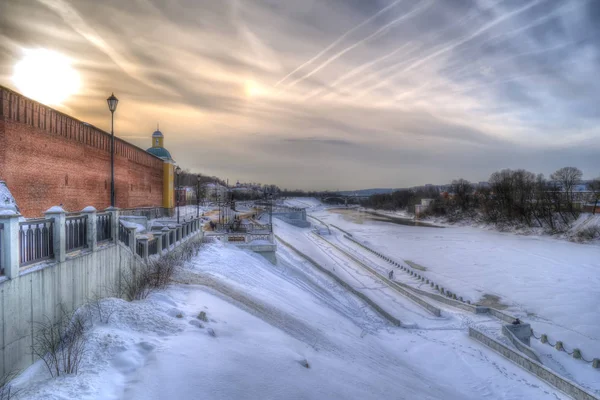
column 269, row 323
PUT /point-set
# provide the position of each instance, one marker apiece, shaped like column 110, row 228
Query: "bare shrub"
column 161, row 271
column 102, row 309
column 134, row 283
column 61, row 345
column 7, row 391
column 137, row 282
column 591, row 233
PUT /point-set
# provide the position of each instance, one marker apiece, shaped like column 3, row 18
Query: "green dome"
column 160, row 152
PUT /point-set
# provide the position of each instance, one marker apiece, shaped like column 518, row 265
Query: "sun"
column 254, row 89
column 46, row 76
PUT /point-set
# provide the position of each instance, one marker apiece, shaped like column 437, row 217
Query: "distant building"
column 423, row 207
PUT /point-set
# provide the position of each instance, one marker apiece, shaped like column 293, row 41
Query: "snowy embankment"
column 554, row 284
column 265, row 325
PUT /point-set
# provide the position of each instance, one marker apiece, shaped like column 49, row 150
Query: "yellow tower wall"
column 158, row 141
column 168, row 185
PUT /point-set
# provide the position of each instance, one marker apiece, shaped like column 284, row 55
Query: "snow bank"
column 288, row 332
column 7, row 201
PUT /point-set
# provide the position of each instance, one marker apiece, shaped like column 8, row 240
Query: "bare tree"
column 594, row 186
column 61, row 345
column 568, row 177
column 462, row 190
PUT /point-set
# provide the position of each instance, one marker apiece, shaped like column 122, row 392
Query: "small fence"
column 259, row 237
column 36, row 240
column 160, row 240
column 124, row 234
column 153, row 247
column 103, row 227
column 76, row 232
column 242, row 228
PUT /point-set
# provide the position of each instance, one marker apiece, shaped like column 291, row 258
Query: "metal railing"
column 153, row 246
column 36, row 240
column 76, row 232
column 139, row 248
column 103, row 227
column 259, row 237
column 242, row 228
column 124, row 234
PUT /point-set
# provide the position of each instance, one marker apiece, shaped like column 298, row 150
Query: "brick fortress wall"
column 49, row 158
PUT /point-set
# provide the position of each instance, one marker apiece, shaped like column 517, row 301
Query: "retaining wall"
column 568, row 387
column 293, row 221
column 522, row 347
column 501, row 315
column 40, row 292
column 454, row 303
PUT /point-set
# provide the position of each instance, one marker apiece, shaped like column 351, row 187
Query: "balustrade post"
column 60, row 238
column 92, row 234
column 167, row 232
column 10, row 245
column 114, row 223
column 158, row 237
column 178, row 233
column 131, row 235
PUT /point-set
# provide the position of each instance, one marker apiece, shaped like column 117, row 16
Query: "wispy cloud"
column 390, row 93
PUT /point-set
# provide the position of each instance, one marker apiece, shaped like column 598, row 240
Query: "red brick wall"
column 48, row 158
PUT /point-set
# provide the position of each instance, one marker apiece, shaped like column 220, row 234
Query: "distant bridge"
column 343, row 199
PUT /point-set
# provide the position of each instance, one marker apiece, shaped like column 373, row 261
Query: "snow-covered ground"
column 269, row 322
column 553, row 284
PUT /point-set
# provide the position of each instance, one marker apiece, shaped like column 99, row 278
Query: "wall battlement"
column 18, row 108
column 48, row 158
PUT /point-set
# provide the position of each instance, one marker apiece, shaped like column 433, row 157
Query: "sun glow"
column 254, row 89
column 46, row 76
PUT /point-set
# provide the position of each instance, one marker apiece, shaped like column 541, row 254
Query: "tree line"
column 512, row 197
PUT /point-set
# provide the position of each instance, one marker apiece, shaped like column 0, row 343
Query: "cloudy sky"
column 337, row 94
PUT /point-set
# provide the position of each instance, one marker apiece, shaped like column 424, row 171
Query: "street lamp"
column 177, row 194
column 112, row 106
column 198, row 197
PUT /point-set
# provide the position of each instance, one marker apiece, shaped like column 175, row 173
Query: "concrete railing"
column 564, row 385
column 34, row 292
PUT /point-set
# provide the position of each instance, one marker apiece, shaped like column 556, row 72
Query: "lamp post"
column 112, row 106
column 177, row 194
column 198, row 197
